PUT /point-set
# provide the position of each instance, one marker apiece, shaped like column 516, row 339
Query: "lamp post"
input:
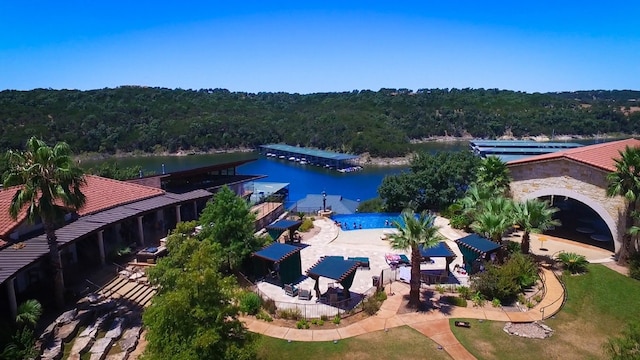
column 324, row 201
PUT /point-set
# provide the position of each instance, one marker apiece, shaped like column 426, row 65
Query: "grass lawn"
column 399, row 343
column 598, row 306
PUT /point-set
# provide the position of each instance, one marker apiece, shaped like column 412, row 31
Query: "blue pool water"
column 367, row 220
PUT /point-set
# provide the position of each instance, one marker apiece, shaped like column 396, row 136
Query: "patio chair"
column 304, row 294
column 290, row 290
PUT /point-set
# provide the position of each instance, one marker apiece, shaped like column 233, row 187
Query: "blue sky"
column 305, row 46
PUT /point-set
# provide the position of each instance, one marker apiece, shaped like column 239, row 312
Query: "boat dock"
column 308, row 156
column 508, row 150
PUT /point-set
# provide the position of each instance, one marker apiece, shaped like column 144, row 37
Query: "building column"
column 11, row 294
column 178, row 217
column 101, row 247
column 140, row 232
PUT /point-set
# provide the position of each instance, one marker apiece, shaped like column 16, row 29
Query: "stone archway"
column 612, row 223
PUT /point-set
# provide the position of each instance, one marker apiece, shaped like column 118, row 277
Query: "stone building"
column 579, row 175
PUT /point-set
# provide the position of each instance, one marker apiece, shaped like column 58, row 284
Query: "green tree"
column 374, row 205
column 22, row 343
column 626, row 346
column 474, row 200
column 493, row 174
column 495, row 218
column 625, row 181
column 415, row 232
column 111, row 169
column 194, row 314
column 228, row 221
column 435, row 181
column 534, row 216
column 49, row 185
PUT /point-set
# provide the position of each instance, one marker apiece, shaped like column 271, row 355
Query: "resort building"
column 575, row 181
column 118, row 215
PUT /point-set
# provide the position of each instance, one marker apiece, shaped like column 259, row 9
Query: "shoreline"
column 362, row 160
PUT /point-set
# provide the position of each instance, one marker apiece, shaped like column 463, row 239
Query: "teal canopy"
column 284, row 259
column 277, row 228
column 473, row 247
column 336, row 268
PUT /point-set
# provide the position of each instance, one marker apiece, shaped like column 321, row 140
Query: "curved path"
column 433, row 324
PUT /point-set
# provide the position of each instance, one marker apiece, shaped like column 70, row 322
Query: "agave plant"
column 573, row 262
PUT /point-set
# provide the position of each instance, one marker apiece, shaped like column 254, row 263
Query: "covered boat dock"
column 328, row 159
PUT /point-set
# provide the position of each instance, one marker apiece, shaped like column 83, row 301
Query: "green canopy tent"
column 277, row 228
column 336, row 268
column 284, row 259
column 473, row 247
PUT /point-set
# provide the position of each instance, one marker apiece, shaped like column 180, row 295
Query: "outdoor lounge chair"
column 363, row 262
column 304, row 294
column 290, row 290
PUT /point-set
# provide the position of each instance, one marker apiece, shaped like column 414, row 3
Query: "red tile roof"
column 601, row 156
column 101, row 194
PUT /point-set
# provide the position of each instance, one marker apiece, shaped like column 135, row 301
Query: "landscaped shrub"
column 464, row 292
column 381, row 296
column 634, row 266
column 336, row 319
column 512, row 247
column 290, row 314
column 460, row 221
column 270, row 306
column 478, row 299
column 303, row 324
column 250, row 303
column 263, row 315
column 371, row 305
column 506, row 281
column 454, row 300
column 496, row 303
column 440, row 289
column 307, row 225
column 318, row 322
column 324, row 318
column 573, row 262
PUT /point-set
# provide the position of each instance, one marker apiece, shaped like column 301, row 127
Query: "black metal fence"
column 316, row 309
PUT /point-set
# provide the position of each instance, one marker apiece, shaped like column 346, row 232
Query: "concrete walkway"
column 433, row 324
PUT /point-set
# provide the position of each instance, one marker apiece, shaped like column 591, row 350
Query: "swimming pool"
column 366, row 220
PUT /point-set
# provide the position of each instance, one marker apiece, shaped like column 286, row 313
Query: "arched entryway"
column 583, row 219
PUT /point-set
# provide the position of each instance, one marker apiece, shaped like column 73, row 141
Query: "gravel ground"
column 532, row 330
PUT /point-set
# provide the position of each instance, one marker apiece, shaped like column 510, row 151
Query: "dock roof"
column 310, row 152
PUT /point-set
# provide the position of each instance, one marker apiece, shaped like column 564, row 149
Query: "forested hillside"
column 380, row 122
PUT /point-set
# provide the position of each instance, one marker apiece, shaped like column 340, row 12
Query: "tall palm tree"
column 494, row 174
column 48, row 186
column 534, row 216
column 494, row 219
column 625, row 181
column 414, row 232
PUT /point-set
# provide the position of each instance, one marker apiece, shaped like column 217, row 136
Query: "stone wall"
column 562, row 177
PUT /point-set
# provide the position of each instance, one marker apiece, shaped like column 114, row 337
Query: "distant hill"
column 380, row 122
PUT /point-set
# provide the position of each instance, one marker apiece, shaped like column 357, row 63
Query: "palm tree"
column 625, row 181
column 494, row 174
column 474, row 200
column 415, row 232
column 49, row 186
column 494, row 219
column 534, row 216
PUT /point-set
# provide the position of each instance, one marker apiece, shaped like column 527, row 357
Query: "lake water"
column 303, row 179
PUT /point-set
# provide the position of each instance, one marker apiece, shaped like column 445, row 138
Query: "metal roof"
column 277, row 252
column 333, row 267
column 477, row 243
column 440, row 250
column 310, row 152
column 284, row 225
column 523, row 143
column 18, row 256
